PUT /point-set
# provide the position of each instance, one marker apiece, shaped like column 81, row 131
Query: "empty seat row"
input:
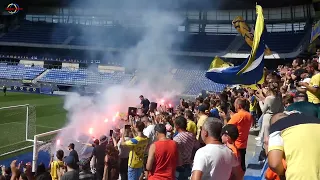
column 280, row 42
column 195, row 81
column 19, row 72
column 84, row 77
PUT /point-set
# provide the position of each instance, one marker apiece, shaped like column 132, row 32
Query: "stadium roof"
column 195, row 4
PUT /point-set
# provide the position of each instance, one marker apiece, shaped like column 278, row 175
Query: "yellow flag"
column 259, row 27
column 219, row 63
column 246, row 32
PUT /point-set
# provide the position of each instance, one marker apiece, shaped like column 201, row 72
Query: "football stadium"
column 118, row 78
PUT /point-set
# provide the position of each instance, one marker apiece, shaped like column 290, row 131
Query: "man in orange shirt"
column 243, row 120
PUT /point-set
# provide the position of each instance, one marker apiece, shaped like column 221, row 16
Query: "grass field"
column 50, row 115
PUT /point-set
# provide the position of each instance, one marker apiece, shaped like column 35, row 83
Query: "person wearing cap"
column 71, row 174
column 98, row 154
column 229, row 135
column 301, row 104
column 85, row 173
column 74, row 153
column 201, row 119
column 162, row 158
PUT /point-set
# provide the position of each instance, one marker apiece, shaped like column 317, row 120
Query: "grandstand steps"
column 15, row 28
column 40, row 76
column 235, row 44
column 68, row 40
column 2, row 34
column 133, row 80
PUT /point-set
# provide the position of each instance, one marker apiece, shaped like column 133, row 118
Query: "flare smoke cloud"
column 93, row 116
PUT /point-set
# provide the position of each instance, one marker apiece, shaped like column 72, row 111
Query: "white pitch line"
column 12, row 144
column 24, row 124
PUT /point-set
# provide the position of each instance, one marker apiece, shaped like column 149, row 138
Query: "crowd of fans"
column 207, row 138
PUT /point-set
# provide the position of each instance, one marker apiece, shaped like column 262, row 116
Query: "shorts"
column 134, row 173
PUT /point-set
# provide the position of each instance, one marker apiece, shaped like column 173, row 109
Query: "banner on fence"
column 25, row 89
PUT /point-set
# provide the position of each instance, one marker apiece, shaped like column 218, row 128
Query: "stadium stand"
column 37, row 32
column 118, row 37
column 19, row 72
column 84, row 77
column 275, row 41
column 195, row 81
column 115, row 37
column 207, row 43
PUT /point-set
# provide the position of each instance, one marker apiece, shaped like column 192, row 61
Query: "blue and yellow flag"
column 219, row 63
column 250, row 71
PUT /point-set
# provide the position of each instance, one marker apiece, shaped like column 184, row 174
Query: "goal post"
column 17, row 127
column 43, row 142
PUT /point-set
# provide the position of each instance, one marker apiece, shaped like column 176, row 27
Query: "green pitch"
column 50, row 115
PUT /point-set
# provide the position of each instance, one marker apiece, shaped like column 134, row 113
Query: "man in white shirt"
column 150, row 133
column 214, row 160
column 149, row 130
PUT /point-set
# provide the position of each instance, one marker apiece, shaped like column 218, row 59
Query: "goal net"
column 48, row 143
column 44, row 145
column 17, row 127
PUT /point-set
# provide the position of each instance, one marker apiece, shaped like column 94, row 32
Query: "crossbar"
column 8, row 107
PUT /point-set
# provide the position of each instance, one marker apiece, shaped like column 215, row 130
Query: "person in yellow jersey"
column 202, row 117
column 253, row 106
column 312, row 88
column 191, row 126
column 293, row 137
column 57, row 166
column 137, row 147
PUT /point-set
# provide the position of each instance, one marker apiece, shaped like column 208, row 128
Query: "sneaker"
column 258, row 138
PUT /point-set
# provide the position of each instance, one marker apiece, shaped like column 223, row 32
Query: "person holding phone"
column 123, row 151
column 137, row 147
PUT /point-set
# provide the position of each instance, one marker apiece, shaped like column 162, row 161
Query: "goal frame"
column 35, row 146
column 27, row 117
column 27, row 129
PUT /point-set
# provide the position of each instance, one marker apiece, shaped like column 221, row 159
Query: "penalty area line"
column 41, row 126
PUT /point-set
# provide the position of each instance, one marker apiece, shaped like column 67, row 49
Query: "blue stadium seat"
column 280, row 42
column 195, row 81
column 85, row 77
column 19, row 72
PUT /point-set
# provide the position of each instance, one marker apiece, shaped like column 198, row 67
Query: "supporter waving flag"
column 251, row 70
